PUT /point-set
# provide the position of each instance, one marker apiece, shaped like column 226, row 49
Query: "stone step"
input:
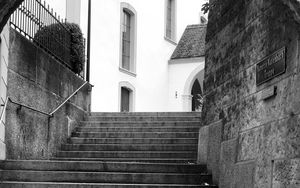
column 140, row 123
column 143, row 118
column 152, row 114
column 139, row 160
column 103, row 177
column 138, row 129
column 133, row 140
column 129, row 147
column 91, row 166
column 128, row 154
column 7, row 184
column 135, row 134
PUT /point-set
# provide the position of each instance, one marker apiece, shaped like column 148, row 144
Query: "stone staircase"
column 112, row 150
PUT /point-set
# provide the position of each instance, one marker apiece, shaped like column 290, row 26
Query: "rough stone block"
column 22, row 56
column 48, row 72
column 228, row 157
column 286, row 173
column 203, row 145
column 278, row 139
column 214, row 146
column 37, row 97
column 239, row 35
column 243, row 175
column 30, row 134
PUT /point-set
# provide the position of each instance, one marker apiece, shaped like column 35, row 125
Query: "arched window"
column 128, row 39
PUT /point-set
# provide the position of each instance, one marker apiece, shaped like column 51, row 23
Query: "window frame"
column 126, row 7
column 173, row 23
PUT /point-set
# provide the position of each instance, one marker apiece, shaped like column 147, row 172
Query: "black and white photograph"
column 150, row 94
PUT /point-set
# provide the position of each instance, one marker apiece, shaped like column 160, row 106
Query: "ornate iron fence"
column 34, row 16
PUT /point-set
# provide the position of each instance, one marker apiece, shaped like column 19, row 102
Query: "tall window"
column 128, row 39
column 170, row 19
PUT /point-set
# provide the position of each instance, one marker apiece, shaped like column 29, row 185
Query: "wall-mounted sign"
column 271, row 66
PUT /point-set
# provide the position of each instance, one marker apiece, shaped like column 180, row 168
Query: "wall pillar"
column 187, row 103
column 4, row 46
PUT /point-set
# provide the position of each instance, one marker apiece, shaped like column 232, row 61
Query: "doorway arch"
column 196, row 96
column 126, row 97
column 197, row 74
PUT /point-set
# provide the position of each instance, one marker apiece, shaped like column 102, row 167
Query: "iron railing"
column 33, row 16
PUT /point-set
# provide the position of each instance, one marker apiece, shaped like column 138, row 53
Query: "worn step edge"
column 121, row 144
column 142, row 160
column 149, row 116
column 141, row 122
column 130, row 152
column 192, row 132
column 78, row 140
column 145, row 113
column 126, row 154
column 94, row 185
column 103, row 177
column 136, row 138
column 157, row 118
column 91, row 166
column 129, row 147
column 140, row 127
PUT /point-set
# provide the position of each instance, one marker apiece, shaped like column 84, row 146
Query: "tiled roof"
column 192, row 42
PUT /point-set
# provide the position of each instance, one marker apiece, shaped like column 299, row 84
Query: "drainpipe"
column 88, row 43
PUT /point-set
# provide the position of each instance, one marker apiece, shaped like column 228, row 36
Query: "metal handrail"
column 4, row 108
column 17, row 103
column 45, row 113
column 51, row 114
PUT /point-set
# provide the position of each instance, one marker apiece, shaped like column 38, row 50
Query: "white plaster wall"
column 58, row 6
column 4, row 46
column 182, row 73
column 73, row 11
column 153, row 52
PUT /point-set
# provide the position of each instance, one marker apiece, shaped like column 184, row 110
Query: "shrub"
column 65, row 41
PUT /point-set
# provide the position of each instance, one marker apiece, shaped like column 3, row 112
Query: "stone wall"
column 4, row 46
column 252, row 142
column 39, row 81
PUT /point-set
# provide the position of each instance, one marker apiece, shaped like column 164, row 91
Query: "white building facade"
column 131, row 44
column 186, row 70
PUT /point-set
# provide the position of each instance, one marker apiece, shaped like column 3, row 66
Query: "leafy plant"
column 64, row 41
column 208, row 6
column 199, row 102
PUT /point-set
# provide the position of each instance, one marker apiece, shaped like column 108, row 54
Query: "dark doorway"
column 197, row 96
column 125, row 99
